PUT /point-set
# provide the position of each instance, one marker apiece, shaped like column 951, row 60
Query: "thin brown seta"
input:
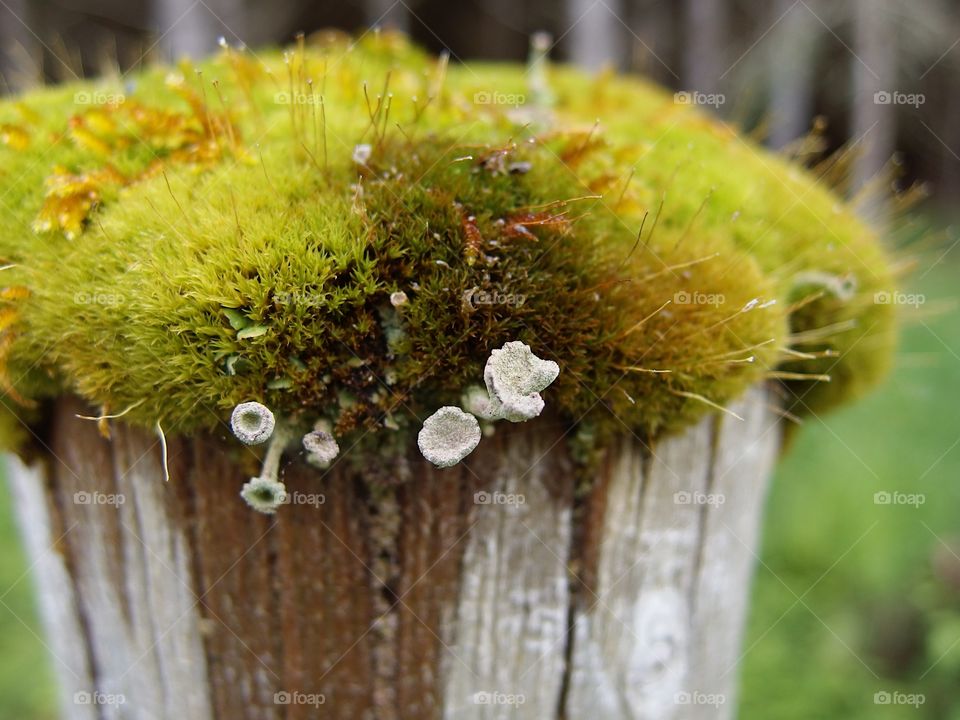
column 644, row 320
column 785, row 375
column 706, row 401
column 693, row 220
column 177, row 202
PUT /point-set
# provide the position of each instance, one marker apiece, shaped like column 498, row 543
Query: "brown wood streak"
column 588, row 531
column 585, row 546
column 235, row 586
column 288, row 603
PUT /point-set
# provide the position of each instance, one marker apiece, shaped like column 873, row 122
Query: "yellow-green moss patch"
column 347, row 231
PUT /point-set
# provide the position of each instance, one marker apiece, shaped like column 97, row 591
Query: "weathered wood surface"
column 493, row 589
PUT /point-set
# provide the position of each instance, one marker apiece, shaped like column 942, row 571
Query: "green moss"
column 228, row 245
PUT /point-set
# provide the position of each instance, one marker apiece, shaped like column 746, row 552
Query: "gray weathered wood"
column 56, row 594
column 422, row 599
column 659, row 634
column 509, row 633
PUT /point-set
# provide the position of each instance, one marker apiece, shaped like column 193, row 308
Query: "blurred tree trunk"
column 498, row 587
column 17, row 45
column 596, row 34
column 949, row 131
column 791, row 71
column 653, row 49
column 191, row 28
column 388, row 14
column 874, row 119
column 705, row 25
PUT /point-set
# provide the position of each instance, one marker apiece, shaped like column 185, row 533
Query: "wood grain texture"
column 428, row 594
column 658, row 636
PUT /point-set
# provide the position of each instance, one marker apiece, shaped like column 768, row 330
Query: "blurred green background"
column 852, row 598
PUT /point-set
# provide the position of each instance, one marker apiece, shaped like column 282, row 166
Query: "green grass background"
column 851, row 598
column 847, row 600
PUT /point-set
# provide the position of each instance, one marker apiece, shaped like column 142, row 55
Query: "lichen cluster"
column 345, row 232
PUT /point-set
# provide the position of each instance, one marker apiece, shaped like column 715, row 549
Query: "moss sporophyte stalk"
column 347, row 231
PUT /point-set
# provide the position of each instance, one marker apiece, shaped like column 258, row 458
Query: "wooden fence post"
column 491, row 589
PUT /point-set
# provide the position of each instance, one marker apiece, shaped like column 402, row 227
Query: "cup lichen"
column 252, row 423
column 264, row 494
column 180, row 254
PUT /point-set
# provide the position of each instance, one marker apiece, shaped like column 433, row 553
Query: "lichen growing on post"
column 252, row 423
column 321, row 447
column 190, row 247
column 264, row 494
column 448, row 436
column 514, row 378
